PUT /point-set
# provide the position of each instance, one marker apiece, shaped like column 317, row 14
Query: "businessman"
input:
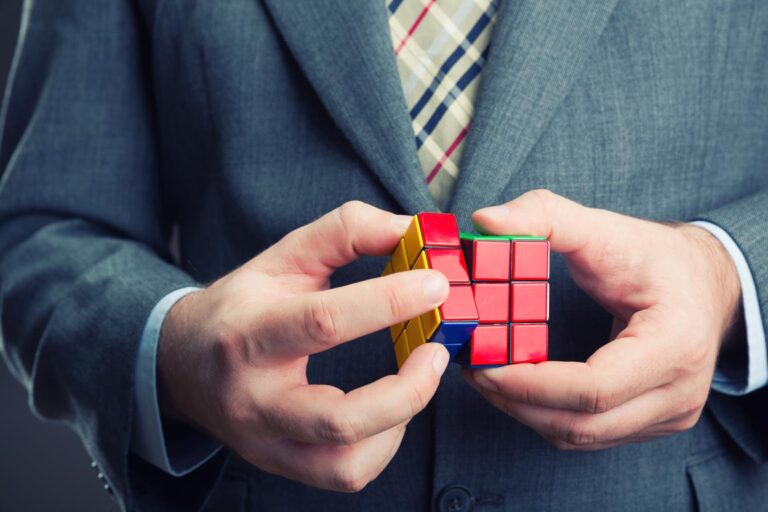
column 196, row 195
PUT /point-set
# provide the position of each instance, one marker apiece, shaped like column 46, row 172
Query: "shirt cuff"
column 175, row 449
column 740, row 381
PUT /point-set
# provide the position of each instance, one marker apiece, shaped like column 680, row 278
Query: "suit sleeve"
column 83, row 234
column 746, row 222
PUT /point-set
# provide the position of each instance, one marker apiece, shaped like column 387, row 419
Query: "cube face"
column 415, row 333
column 454, row 349
column 529, row 302
column 430, row 321
column 487, row 320
column 439, row 230
column 492, row 300
column 453, row 333
column 402, row 351
column 450, row 262
column 421, row 262
column 460, row 304
column 530, row 260
column 413, row 240
column 490, row 259
column 528, row 343
column 489, row 346
column 399, row 259
column 395, row 330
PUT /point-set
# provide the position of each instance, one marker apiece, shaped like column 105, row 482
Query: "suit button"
column 455, row 498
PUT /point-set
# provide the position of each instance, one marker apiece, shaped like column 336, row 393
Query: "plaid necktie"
column 441, row 48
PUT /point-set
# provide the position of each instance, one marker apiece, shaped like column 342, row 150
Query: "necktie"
column 440, row 49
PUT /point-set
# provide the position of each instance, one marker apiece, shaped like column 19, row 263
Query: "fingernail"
column 401, row 222
column 440, row 361
column 484, row 382
column 435, row 289
column 494, row 211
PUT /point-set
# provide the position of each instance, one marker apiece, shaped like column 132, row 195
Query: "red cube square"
column 450, row 262
column 488, row 259
column 530, row 260
column 529, row 302
column 489, row 345
column 492, row 300
column 528, row 343
column 439, row 230
column 460, row 304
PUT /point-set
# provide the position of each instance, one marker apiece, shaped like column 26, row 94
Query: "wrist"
column 177, row 360
column 724, row 276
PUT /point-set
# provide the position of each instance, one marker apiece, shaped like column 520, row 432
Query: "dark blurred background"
column 43, row 466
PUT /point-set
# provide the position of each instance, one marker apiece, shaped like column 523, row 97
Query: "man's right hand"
column 232, row 358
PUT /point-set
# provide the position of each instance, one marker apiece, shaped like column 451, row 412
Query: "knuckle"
column 393, row 304
column 545, row 199
column 319, row 323
column 508, row 407
column 341, row 428
column 684, row 424
column 693, row 404
column 229, row 345
column 349, row 213
column 577, row 433
column 691, row 401
column 544, row 195
column 559, row 443
column 528, row 396
column 588, row 400
column 688, row 421
column 347, row 478
column 596, row 399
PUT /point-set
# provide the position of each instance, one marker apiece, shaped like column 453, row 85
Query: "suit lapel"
column 344, row 49
column 537, row 50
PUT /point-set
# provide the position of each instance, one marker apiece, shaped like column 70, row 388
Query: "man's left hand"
column 674, row 293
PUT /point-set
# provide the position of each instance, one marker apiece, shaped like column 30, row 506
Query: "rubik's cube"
column 498, row 300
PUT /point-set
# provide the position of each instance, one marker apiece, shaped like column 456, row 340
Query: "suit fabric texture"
column 238, row 121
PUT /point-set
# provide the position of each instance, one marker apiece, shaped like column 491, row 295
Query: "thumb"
column 569, row 226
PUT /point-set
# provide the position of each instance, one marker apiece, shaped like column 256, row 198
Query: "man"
column 240, row 125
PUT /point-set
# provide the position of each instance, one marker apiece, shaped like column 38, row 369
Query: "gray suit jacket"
column 241, row 120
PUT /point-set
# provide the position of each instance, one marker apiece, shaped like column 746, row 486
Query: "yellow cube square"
column 399, row 259
column 387, row 269
column 430, row 321
column 395, row 330
column 414, row 241
column 421, row 262
column 402, row 351
column 415, row 333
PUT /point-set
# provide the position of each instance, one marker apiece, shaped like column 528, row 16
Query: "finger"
column 334, row 240
column 316, row 322
column 568, row 225
column 641, row 360
column 676, row 424
column 562, row 445
column 635, row 418
column 326, row 414
column 343, row 468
